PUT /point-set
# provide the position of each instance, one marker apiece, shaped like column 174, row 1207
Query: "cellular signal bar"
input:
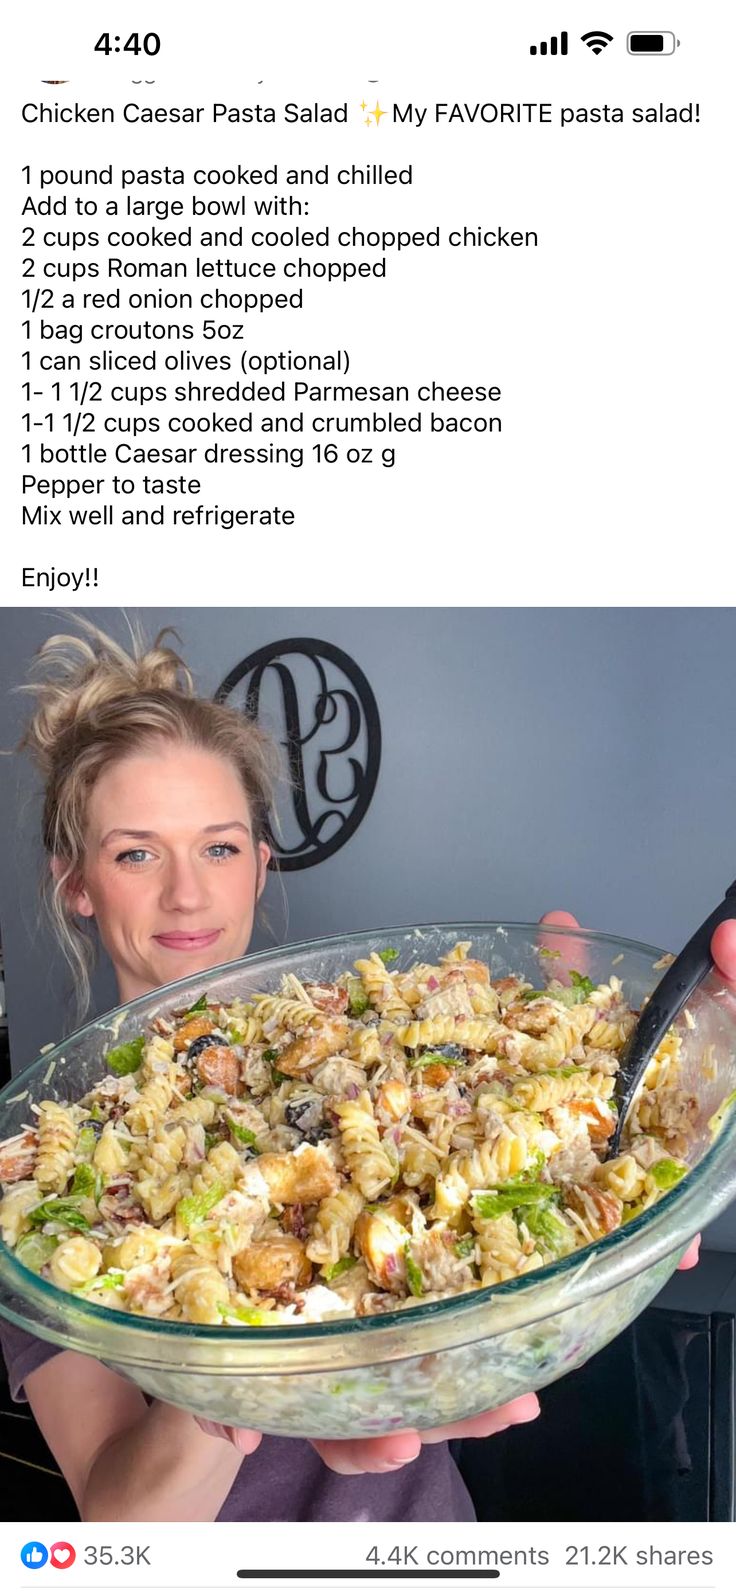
column 554, row 47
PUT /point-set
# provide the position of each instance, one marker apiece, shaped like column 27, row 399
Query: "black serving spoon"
column 665, row 1003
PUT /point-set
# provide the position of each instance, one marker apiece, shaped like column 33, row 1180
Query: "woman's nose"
column 184, row 889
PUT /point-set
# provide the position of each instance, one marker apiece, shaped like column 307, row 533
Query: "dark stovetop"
column 642, row 1432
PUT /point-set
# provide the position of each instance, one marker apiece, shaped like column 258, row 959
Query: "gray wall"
column 531, row 759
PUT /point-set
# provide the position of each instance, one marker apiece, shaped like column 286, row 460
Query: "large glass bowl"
column 435, row 1363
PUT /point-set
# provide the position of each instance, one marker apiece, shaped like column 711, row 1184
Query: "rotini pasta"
column 57, row 1138
column 334, row 1225
column 345, row 1148
column 74, row 1262
column 200, row 1289
column 372, row 1166
column 381, row 989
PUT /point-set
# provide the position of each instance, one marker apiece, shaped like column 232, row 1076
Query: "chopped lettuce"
column 413, row 1274
column 194, row 1207
column 35, row 1249
column 346, row 1263
column 243, row 1135
column 582, row 985
column 578, row 990
column 429, row 1057
column 510, row 1196
column 86, row 1143
column 84, row 1180
column 389, row 955
column 199, row 1006
column 114, row 1278
column 358, row 1002
column 666, row 1173
column 251, row 1317
column 546, row 1224
column 125, row 1058
column 65, row 1211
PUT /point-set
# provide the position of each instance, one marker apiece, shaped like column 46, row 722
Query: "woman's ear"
column 73, row 888
column 264, row 857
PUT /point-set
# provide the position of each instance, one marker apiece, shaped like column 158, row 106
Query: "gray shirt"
column 286, row 1480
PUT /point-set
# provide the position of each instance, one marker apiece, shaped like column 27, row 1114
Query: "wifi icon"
column 596, row 40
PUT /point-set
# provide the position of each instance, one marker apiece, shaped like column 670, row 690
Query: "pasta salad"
column 344, row 1149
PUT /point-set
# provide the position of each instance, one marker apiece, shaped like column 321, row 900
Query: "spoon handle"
column 678, row 982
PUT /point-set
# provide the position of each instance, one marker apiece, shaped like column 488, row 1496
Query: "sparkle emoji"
column 373, row 118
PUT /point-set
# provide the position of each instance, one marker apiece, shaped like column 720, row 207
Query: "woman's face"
column 171, row 873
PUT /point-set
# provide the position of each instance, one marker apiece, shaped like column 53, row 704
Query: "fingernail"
column 395, row 1460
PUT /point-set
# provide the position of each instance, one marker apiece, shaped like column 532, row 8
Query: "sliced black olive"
column 305, row 1114
column 203, row 1043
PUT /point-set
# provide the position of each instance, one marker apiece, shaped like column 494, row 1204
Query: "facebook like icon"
column 34, row 1555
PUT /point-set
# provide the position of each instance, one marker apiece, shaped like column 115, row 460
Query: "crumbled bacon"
column 162, row 1026
column 284, row 1294
column 294, row 1222
column 18, row 1157
column 332, row 998
column 117, row 1205
column 608, row 1207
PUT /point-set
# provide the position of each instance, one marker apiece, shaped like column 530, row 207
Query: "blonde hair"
column 97, row 704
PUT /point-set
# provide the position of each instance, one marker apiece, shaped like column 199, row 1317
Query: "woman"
column 156, row 828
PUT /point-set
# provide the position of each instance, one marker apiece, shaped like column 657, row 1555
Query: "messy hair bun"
column 74, row 677
column 97, row 703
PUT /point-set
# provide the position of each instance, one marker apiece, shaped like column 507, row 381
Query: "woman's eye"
column 221, row 850
column 135, row 856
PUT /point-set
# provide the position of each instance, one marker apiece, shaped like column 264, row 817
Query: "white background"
column 609, row 482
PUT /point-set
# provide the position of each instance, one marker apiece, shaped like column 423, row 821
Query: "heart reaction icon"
column 62, row 1555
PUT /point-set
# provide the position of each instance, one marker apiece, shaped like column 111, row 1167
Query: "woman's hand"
column 723, row 951
column 722, row 945
column 381, row 1455
column 241, row 1437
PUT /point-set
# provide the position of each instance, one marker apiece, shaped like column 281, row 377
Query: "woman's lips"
column 196, row 941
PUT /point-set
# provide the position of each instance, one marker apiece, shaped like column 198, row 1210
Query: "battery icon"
column 651, row 43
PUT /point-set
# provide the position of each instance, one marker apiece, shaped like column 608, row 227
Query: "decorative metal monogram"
column 314, row 699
